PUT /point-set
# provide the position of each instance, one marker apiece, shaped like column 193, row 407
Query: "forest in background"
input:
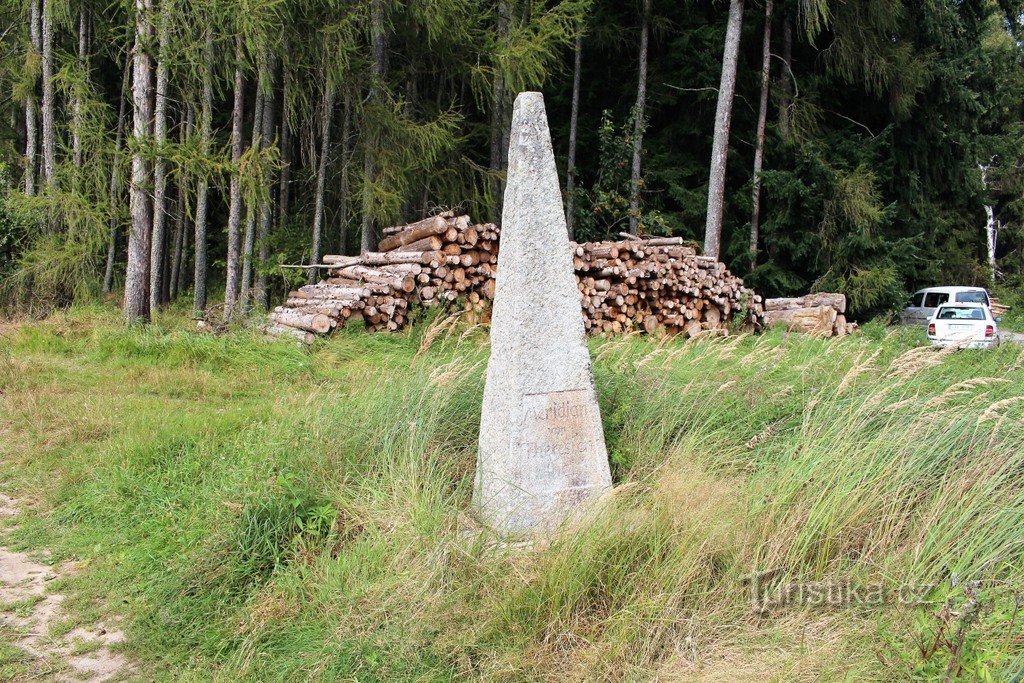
column 176, row 149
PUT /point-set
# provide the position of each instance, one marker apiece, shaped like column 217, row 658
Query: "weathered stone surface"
column 542, row 453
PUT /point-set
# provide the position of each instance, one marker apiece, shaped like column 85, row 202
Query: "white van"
column 924, row 303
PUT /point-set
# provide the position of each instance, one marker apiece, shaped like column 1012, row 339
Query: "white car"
column 925, row 302
column 968, row 325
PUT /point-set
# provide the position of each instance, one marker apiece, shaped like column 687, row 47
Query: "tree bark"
column 49, row 97
column 185, row 188
column 346, row 157
column 266, row 206
column 570, row 165
column 638, row 124
column 252, row 211
column 377, row 69
column 203, row 183
column 136, row 283
column 157, row 250
column 284, row 182
column 76, row 107
column 762, row 119
column 786, row 86
column 31, row 124
column 235, row 191
column 180, row 241
column 326, row 113
column 992, row 225
column 115, row 177
column 176, row 242
column 723, row 118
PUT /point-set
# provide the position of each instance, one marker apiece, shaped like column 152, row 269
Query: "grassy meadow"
column 259, row 512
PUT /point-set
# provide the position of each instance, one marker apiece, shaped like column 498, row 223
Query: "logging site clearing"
column 785, row 507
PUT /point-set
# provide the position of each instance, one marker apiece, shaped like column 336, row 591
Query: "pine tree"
column 49, row 103
column 234, row 266
column 723, row 118
column 202, row 182
column 638, row 124
column 762, row 119
column 136, row 283
column 157, row 250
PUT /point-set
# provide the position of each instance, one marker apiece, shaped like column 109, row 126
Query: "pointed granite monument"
column 542, row 454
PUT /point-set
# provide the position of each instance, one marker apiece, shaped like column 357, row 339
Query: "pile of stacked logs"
column 630, row 284
column 427, row 263
column 822, row 314
column 659, row 283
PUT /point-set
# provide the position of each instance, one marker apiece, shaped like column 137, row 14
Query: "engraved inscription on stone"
column 556, row 433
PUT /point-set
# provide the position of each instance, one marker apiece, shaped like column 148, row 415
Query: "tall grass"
column 264, row 513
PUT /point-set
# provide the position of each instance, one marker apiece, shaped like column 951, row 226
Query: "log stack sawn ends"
column 643, row 284
column 822, row 314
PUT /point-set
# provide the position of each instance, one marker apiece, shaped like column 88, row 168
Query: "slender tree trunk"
column 234, row 270
column 762, row 119
column 639, row 122
column 991, row 224
column 326, row 115
column 377, row 68
column 570, row 166
column 83, row 64
column 157, row 253
column 31, row 124
column 165, row 265
column 367, row 239
column 786, row 84
column 266, row 206
column 203, row 182
column 136, row 282
column 498, row 97
column 252, row 211
column 182, row 274
column 176, row 243
column 284, row 182
column 115, row 177
column 723, row 118
column 49, row 97
column 346, row 156
column 180, row 239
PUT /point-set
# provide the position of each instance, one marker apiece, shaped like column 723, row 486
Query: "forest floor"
column 245, row 510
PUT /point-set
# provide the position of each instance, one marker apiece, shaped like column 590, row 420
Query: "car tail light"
column 989, row 331
column 931, row 329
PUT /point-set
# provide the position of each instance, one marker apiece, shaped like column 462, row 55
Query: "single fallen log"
column 434, row 225
column 311, row 322
column 833, row 300
column 808, row 319
column 278, row 330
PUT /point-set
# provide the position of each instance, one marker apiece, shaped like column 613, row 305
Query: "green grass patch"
column 261, row 512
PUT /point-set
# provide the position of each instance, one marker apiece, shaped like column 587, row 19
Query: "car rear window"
column 935, row 299
column 961, row 313
column 972, row 297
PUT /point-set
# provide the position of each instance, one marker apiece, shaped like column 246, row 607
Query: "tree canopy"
column 891, row 126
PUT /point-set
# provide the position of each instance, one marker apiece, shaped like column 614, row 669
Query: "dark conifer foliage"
column 170, row 148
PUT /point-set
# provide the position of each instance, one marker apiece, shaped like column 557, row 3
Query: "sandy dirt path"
column 30, row 617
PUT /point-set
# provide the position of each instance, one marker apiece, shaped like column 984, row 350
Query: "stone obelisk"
column 542, row 456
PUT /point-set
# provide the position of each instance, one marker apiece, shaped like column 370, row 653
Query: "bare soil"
column 31, row 615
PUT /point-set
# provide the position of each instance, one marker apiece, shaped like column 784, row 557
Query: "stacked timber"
column 823, row 314
column 431, row 262
column 659, row 283
column 634, row 283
